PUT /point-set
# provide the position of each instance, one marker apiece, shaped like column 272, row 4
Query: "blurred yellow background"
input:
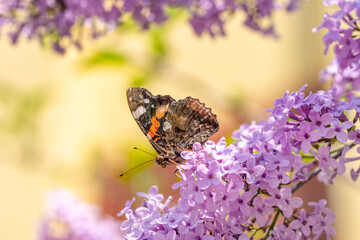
column 65, row 123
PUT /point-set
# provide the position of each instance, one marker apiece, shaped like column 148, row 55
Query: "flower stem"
column 300, row 184
column 273, row 223
column 352, row 159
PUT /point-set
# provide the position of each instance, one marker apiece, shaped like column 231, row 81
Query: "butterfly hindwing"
column 188, row 121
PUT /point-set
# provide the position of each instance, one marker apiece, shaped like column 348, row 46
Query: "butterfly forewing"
column 149, row 111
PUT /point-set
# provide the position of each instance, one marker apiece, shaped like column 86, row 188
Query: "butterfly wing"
column 149, row 112
column 188, row 121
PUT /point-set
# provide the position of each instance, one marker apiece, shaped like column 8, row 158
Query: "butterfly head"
column 163, row 161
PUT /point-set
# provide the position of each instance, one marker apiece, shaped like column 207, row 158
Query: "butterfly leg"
column 176, row 173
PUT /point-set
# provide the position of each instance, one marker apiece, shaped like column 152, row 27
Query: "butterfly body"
column 171, row 126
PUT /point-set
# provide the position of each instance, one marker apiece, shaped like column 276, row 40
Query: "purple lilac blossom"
column 343, row 38
column 233, row 191
column 304, row 222
column 60, row 22
column 67, row 218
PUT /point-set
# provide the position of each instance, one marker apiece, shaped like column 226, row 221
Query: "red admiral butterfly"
column 171, row 126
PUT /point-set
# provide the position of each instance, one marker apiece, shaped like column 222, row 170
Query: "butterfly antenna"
column 145, row 151
column 136, row 167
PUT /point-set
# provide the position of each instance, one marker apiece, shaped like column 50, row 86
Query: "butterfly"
column 171, row 126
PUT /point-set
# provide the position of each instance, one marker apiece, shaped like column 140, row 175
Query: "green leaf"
column 106, row 58
column 140, row 80
column 158, row 42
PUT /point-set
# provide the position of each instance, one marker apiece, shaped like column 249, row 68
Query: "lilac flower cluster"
column 61, row 22
column 343, row 35
column 67, row 218
column 240, row 190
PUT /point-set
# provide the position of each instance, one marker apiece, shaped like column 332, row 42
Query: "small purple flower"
column 355, row 136
column 171, row 235
column 193, row 191
column 347, row 44
column 282, row 199
column 172, row 219
column 189, row 222
column 320, row 122
column 198, row 233
column 242, row 204
column 319, row 207
column 333, row 25
column 324, row 158
column 323, row 224
column 278, row 176
column 225, row 198
column 306, row 135
column 274, row 161
column 152, row 195
column 355, row 174
column 252, row 170
column 261, row 210
column 304, row 222
column 209, row 175
column 338, row 130
column 281, row 232
column 127, row 207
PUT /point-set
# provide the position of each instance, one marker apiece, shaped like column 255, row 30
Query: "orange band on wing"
column 154, row 127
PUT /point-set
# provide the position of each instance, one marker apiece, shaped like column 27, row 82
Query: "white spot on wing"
column 139, row 111
column 146, row 100
column 166, row 126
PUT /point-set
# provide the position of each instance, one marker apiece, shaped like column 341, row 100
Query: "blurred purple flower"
column 58, row 22
column 354, row 174
column 355, row 136
column 66, row 217
column 342, row 26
